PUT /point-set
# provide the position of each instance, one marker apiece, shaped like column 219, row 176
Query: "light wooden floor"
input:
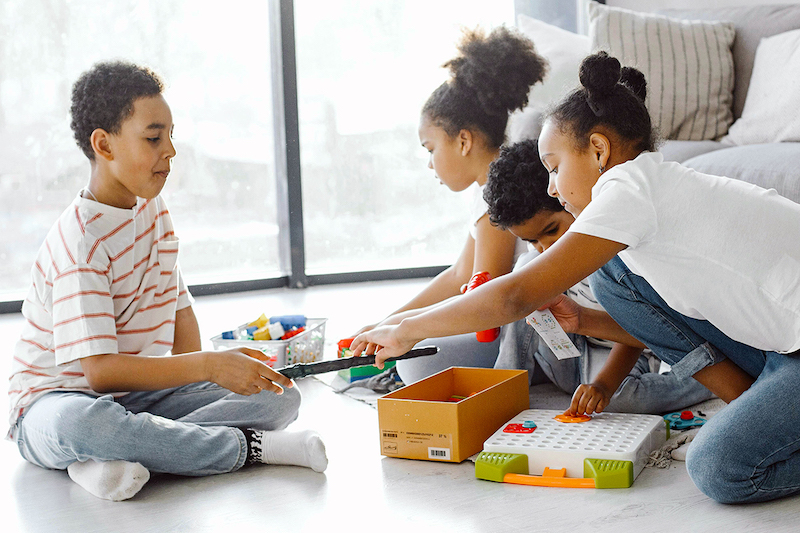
column 361, row 490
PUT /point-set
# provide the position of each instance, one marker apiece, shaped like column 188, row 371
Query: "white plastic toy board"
column 556, row 445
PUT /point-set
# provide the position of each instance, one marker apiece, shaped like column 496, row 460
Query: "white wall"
column 651, row 5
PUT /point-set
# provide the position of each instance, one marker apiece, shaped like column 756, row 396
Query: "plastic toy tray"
column 305, row 347
column 556, row 445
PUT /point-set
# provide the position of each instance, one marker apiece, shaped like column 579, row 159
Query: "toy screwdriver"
column 300, row 370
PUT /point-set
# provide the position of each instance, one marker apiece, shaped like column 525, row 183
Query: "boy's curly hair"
column 516, row 188
column 103, row 97
column 489, row 79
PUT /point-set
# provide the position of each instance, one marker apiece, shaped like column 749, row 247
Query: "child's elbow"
column 518, row 300
column 93, row 371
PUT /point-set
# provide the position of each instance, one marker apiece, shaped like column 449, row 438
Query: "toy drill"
column 300, row 370
column 477, row 279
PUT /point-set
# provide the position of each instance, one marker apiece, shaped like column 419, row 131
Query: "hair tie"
column 597, row 110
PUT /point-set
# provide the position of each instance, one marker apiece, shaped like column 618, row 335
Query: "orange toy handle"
column 477, row 279
column 550, row 481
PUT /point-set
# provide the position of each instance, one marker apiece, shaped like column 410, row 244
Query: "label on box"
column 552, row 334
column 435, row 446
column 439, row 453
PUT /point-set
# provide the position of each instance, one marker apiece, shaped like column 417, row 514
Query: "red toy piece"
column 293, row 332
column 687, row 415
column 477, row 279
column 517, row 428
column 343, row 345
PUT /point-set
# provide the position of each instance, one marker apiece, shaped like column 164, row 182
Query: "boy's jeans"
column 749, row 451
column 642, row 391
column 189, row 430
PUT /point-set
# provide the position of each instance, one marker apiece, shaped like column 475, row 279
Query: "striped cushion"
column 688, row 65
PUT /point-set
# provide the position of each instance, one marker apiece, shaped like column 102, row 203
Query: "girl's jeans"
column 749, row 451
column 190, row 430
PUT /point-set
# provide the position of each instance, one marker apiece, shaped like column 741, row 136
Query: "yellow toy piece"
column 262, row 333
column 260, row 322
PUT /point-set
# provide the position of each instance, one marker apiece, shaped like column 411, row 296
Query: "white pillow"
column 564, row 52
column 688, row 65
column 772, row 109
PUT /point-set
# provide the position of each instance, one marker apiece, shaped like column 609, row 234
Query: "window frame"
column 291, row 236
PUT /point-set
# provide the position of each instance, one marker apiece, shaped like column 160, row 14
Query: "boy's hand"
column 244, row 371
column 566, row 311
column 588, row 399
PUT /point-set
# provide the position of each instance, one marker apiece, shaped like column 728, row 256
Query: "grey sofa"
column 774, row 165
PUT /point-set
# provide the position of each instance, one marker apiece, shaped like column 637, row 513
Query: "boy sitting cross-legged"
column 608, row 376
column 91, row 390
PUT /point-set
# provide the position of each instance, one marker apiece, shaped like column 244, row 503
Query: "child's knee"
column 715, row 467
column 275, row 412
column 292, row 398
column 70, row 421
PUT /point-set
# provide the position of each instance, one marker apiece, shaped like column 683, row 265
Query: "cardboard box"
column 424, row 420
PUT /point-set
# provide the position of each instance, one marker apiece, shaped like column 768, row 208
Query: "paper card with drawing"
column 552, row 334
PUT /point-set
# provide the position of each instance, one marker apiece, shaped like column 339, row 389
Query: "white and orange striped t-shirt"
column 106, row 280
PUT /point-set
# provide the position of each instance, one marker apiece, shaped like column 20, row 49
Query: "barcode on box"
column 439, row 453
column 389, row 435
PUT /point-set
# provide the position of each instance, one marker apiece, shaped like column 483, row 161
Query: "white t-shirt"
column 477, row 212
column 105, row 280
column 714, row 248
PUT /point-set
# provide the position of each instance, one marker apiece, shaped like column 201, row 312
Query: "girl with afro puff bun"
column 608, row 376
column 701, row 269
column 463, row 125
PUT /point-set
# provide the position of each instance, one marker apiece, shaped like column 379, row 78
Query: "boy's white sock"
column 110, row 480
column 679, row 454
column 303, row 448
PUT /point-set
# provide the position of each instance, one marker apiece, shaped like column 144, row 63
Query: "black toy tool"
column 300, row 370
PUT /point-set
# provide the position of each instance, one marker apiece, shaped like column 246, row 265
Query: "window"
column 216, row 64
column 364, row 71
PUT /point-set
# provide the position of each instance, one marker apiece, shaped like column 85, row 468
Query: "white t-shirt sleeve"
column 621, row 210
column 477, row 211
column 185, row 298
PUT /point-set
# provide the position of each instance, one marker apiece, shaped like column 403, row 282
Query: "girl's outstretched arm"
column 500, row 301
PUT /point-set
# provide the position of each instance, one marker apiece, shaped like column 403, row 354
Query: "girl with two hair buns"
column 703, row 270
column 463, row 125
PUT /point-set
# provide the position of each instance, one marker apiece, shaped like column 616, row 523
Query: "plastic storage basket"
column 305, row 347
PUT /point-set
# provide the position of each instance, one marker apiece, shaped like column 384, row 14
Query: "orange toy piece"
column 572, row 419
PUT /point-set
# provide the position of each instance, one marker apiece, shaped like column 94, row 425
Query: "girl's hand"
column 384, row 342
column 567, row 312
column 588, row 399
column 368, row 327
column 244, row 371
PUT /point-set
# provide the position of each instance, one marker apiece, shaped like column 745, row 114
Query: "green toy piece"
column 598, row 473
column 494, row 466
column 609, row 474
